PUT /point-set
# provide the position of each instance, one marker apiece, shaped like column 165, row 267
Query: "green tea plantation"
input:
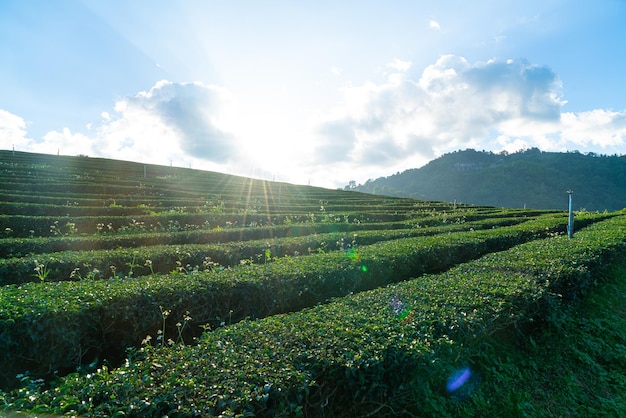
column 139, row 290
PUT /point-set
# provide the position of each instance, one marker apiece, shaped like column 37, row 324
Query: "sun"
column 273, row 145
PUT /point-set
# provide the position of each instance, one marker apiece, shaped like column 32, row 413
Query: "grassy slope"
column 573, row 366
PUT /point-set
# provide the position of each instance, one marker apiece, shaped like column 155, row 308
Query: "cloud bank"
column 180, row 122
column 454, row 104
column 191, row 111
column 401, row 122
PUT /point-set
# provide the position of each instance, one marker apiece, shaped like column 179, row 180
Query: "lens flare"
column 400, row 310
column 353, row 255
column 458, row 379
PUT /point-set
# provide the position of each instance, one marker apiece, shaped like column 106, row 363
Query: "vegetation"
column 177, row 292
column 531, row 178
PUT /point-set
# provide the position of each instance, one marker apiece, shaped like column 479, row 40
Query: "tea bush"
column 85, row 319
column 164, row 258
column 384, row 352
column 389, row 351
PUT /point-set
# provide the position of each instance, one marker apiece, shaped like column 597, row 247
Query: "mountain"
column 530, row 178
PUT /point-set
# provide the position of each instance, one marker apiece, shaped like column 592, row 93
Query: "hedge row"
column 145, row 260
column 111, row 207
column 21, row 203
column 107, row 205
column 28, row 226
column 56, row 326
column 80, row 200
column 68, row 209
column 19, row 247
column 390, row 351
column 135, row 233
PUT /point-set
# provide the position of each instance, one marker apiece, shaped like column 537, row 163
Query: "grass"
column 573, row 366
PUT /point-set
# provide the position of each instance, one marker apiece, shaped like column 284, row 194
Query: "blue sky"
column 322, row 92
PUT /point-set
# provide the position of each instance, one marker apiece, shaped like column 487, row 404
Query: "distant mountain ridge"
column 530, row 178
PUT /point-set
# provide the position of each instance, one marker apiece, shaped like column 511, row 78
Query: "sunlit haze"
column 317, row 93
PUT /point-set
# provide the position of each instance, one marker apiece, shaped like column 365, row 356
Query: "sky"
column 319, row 93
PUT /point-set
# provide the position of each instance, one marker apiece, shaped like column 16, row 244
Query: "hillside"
column 531, row 179
column 140, row 290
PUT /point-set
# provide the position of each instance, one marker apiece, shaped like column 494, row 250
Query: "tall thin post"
column 570, row 223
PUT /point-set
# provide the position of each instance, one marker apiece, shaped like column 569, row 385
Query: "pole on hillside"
column 570, row 223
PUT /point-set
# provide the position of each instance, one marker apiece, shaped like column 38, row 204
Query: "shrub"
column 85, row 319
column 361, row 354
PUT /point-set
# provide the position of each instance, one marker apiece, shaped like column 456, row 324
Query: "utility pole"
column 570, row 223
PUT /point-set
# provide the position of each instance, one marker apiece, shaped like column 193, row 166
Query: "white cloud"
column 182, row 122
column 399, row 65
column 12, row 131
column 189, row 113
column 61, row 142
column 433, row 24
column 335, row 70
column 600, row 131
column 452, row 104
column 600, row 128
column 171, row 121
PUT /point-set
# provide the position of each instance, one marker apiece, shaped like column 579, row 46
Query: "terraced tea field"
column 143, row 290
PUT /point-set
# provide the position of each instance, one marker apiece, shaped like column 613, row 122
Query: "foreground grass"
column 571, row 366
